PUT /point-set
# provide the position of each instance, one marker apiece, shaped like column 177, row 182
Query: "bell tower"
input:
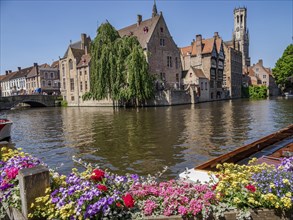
column 241, row 34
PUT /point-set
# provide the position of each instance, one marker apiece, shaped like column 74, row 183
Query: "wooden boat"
column 5, row 129
column 268, row 149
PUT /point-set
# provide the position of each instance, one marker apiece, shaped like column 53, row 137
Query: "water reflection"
column 144, row 141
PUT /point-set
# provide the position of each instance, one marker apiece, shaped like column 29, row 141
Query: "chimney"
column 85, row 50
column 216, row 34
column 6, row 72
column 83, row 39
column 9, row 71
column 260, row 62
column 198, row 44
column 37, row 68
column 139, row 19
column 19, row 69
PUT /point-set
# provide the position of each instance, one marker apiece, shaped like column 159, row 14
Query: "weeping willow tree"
column 118, row 68
column 103, row 63
column 140, row 83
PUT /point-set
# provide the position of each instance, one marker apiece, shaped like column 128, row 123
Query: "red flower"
column 128, row 200
column 102, row 187
column 118, row 204
column 97, row 175
column 251, row 188
column 214, row 186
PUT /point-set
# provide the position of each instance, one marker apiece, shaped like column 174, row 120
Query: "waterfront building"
column 18, row 81
column 75, row 74
column 232, row 79
column 6, row 86
column 9, row 84
column 197, row 83
column 1, row 79
column 207, row 55
column 162, row 54
column 43, row 79
column 260, row 75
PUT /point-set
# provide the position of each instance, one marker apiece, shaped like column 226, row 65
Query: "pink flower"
column 208, row 195
column 149, row 207
column 11, row 173
column 182, row 210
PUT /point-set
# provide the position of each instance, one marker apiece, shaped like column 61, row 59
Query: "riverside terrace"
column 32, row 100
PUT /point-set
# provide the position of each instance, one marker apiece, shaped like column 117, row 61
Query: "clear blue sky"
column 40, row 31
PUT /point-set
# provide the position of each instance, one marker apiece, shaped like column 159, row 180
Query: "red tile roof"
column 55, row 64
column 207, row 46
column 186, row 50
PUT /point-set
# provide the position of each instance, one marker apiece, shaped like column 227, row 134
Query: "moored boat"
column 5, row 129
column 269, row 149
column 288, row 94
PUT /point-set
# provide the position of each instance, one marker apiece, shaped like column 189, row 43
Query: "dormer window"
column 162, row 30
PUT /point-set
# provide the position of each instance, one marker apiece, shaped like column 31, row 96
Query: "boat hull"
column 5, row 130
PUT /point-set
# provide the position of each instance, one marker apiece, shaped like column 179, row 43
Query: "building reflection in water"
column 144, row 141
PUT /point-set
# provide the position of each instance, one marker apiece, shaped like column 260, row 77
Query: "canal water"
column 144, row 141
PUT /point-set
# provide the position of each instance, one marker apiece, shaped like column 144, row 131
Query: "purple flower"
column 135, row 177
column 5, row 186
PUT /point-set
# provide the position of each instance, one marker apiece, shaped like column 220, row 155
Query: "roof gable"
column 143, row 31
column 22, row 73
column 198, row 72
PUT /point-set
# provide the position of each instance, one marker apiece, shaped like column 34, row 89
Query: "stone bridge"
column 33, row 100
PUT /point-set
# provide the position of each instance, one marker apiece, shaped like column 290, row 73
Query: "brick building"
column 260, row 75
column 232, row 79
column 197, row 83
column 162, row 54
column 43, row 79
column 207, row 55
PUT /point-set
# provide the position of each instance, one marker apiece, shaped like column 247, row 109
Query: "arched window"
column 241, row 18
column 237, row 18
column 70, row 64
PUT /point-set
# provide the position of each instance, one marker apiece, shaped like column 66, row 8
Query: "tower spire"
column 155, row 12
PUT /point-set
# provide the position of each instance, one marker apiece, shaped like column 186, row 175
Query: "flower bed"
column 97, row 193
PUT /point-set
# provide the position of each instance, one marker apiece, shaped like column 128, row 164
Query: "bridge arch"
column 31, row 103
column 32, row 100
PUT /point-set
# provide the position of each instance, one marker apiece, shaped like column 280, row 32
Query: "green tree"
column 258, row 92
column 284, row 67
column 103, row 68
column 140, row 83
column 119, row 69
